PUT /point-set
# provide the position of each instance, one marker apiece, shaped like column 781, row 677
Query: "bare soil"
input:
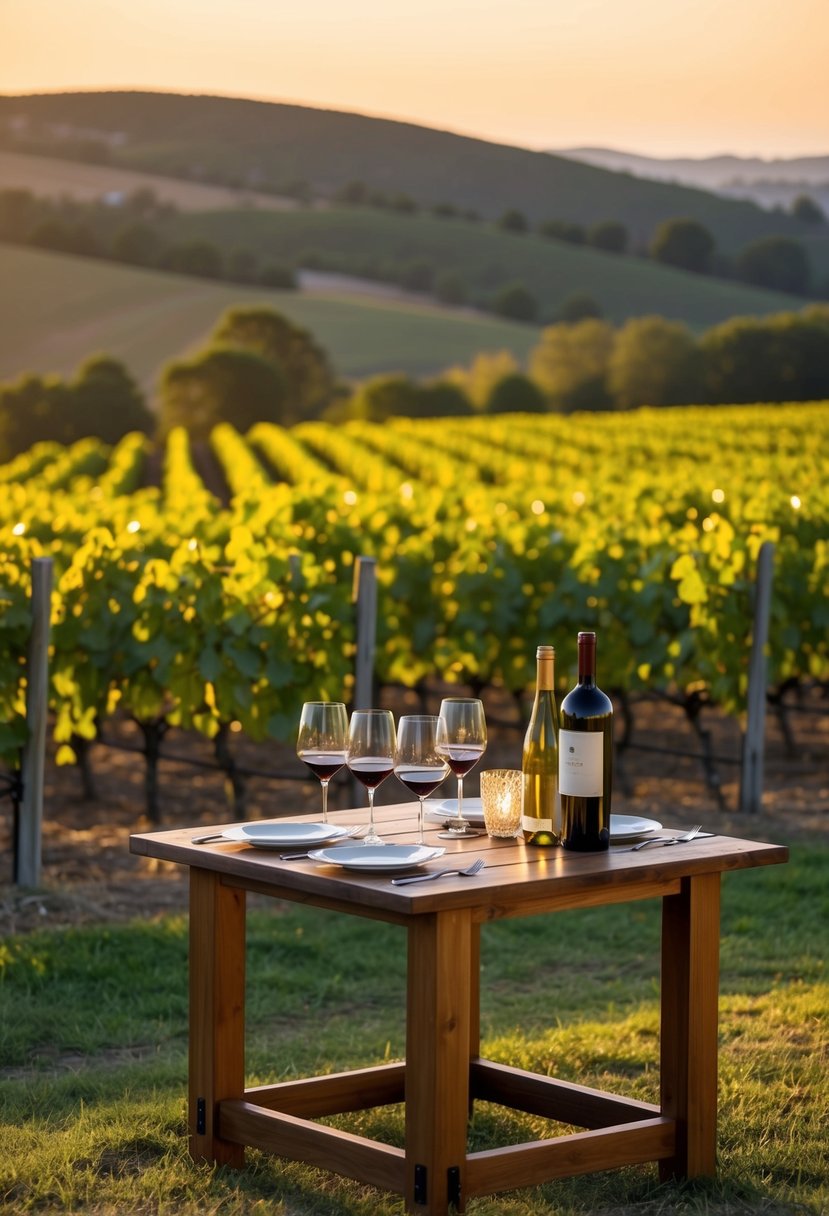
column 89, row 874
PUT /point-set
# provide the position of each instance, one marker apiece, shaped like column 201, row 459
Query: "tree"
column 515, row 394
column 776, row 262
column 562, row 230
column 107, row 402
column 513, row 220
column 780, row 358
column 684, row 243
column 281, row 278
column 32, row 409
column 222, row 384
column 578, row 307
column 654, row 362
column 418, row 275
column 136, row 243
column 18, row 209
column 353, row 194
column 242, row 266
column 200, row 258
column 382, row 397
column 439, row 399
column 806, row 209
column 479, row 379
column 610, row 236
column 304, row 366
column 516, row 302
column 570, row 365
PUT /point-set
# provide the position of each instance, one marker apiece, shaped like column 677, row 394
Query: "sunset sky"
column 664, row 77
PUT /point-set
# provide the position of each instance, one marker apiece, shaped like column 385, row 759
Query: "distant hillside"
column 774, row 182
column 65, row 308
column 51, row 177
column 361, row 239
column 260, row 145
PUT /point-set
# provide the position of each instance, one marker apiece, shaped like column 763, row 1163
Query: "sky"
column 659, row 77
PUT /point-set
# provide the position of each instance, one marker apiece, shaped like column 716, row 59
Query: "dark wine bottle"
column 585, row 770
column 540, row 818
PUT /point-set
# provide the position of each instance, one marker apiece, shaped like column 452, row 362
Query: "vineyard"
column 183, row 605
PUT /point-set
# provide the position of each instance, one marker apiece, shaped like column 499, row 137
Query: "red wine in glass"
column 418, row 763
column 323, row 733
column 462, row 747
column 370, row 755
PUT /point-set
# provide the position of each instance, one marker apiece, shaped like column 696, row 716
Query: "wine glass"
column 417, row 762
column 323, row 733
column 370, row 755
column 462, row 748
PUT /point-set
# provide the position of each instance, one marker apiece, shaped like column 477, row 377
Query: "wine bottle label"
column 529, row 824
column 581, row 763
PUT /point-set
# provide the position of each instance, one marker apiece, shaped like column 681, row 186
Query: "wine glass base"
column 374, row 840
column 458, row 833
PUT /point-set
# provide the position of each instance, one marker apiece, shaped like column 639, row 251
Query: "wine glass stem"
column 372, row 831
column 324, row 785
column 420, row 821
column 460, row 797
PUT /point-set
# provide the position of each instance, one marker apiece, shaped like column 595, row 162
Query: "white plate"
column 473, row 810
column 629, row 827
column 378, row 858
column 277, row 835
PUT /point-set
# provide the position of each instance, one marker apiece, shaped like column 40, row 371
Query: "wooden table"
column 443, row 1072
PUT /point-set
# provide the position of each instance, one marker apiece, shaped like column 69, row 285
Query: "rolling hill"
column 262, row 145
column 64, row 308
column 363, row 241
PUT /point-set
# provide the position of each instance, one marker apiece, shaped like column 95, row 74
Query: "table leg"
column 690, row 991
column 475, row 991
column 217, row 1011
column 437, row 1060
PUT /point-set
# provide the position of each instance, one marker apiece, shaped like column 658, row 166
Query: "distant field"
column 55, row 310
column 485, row 258
column 49, row 177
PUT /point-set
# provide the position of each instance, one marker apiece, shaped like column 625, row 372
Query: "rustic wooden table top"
column 516, row 880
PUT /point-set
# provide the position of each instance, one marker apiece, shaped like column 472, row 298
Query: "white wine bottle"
column 586, row 758
column 540, row 816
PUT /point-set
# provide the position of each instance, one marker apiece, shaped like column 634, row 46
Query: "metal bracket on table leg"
column 453, row 1185
column 420, row 1184
column 201, row 1116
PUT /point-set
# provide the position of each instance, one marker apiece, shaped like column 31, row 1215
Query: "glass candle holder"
column 501, row 799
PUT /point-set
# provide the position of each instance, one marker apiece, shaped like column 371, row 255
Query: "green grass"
column 62, row 309
column 93, row 1052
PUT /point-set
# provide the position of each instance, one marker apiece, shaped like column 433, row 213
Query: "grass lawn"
column 93, row 1052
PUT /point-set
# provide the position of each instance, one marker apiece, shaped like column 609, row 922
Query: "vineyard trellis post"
column 29, row 816
column 364, row 596
column 751, row 776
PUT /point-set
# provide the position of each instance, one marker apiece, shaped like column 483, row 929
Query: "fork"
column 469, row 872
column 665, row 840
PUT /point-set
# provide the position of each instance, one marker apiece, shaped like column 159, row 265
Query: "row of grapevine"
column 490, row 535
